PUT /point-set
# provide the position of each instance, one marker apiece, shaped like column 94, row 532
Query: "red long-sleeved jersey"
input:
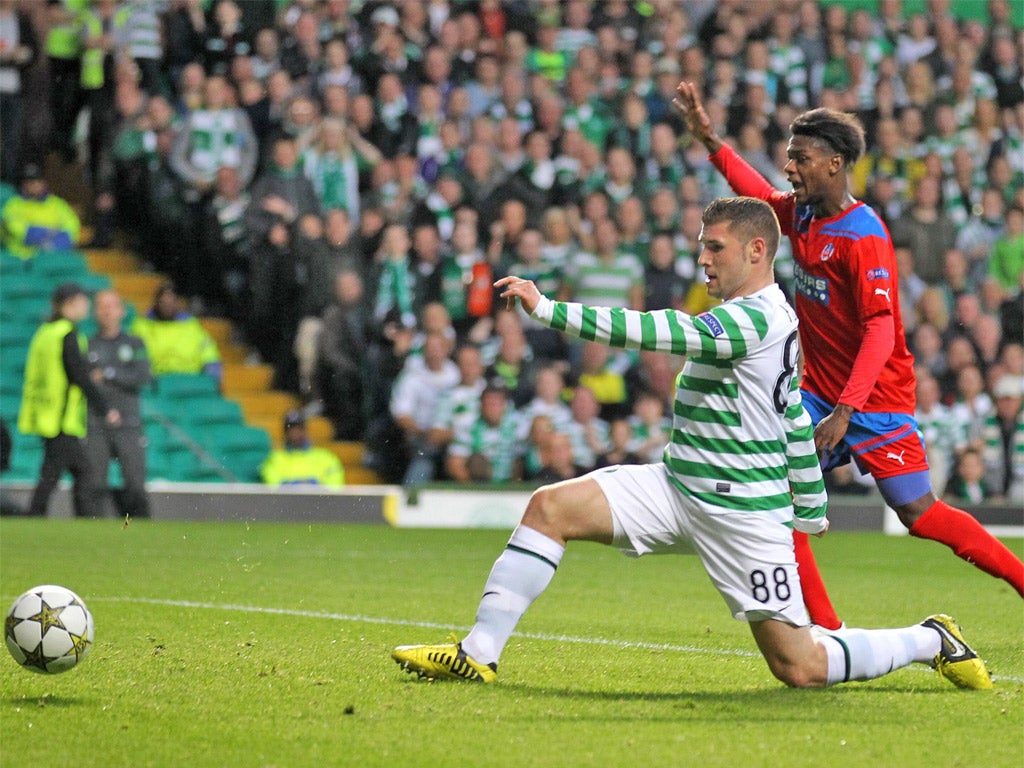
column 846, row 294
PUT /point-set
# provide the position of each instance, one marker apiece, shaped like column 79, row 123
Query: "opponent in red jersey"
column 858, row 381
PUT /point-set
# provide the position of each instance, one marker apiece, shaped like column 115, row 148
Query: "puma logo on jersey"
column 896, row 457
column 883, row 292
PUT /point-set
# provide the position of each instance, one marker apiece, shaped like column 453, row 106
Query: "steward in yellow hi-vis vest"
column 176, row 342
column 58, row 385
column 34, row 220
column 298, row 462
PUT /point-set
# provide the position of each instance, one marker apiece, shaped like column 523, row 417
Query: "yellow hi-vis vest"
column 63, row 40
column 50, row 404
column 29, row 226
column 176, row 346
column 303, row 466
column 92, row 58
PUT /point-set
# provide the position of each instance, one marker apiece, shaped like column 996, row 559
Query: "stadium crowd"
column 346, row 179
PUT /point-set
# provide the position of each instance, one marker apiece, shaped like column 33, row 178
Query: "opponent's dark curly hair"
column 840, row 130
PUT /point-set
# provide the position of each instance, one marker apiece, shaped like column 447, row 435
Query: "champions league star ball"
column 48, row 629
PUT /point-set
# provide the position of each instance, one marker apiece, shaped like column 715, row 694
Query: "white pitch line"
column 422, row 624
column 446, row 627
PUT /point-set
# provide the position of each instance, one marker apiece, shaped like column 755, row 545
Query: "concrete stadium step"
column 257, row 405
column 111, row 261
column 319, row 429
column 138, row 288
column 219, row 328
column 361, row 476
column 234, row 354
column 242, row 378
column 349, row 452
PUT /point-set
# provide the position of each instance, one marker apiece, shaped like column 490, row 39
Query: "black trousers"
column 60, row 453
column 128, row 446
column 66, row 101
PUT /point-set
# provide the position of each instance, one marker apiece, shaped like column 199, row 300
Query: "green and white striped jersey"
column 592, row 280
column 498, row 444
column 741, row 439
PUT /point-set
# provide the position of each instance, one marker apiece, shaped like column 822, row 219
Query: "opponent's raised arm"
column 687, row 101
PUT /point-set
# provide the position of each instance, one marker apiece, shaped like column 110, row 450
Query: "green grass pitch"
column 235, row 645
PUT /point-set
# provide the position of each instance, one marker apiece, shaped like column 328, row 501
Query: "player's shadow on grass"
column 47, row 700
column 774, row 695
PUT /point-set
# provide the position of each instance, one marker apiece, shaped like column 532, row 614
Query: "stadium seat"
column 26, row 456
column 10, row 384
column 59, row 266
column 93, row 283
column 10, row 403
column 25, row 285
column 240, row 438
column 181, row 464
column 32, row 310
column 16, row 333
column 207, row 411
column 185, row 386
column 11, row 264
column 7, row 191
column 241, row 449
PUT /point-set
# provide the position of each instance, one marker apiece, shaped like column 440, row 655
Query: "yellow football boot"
column 956, row 661
column 447, row 661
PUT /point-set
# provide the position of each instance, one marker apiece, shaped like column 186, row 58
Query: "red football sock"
column 970, row 541
column 815, row 596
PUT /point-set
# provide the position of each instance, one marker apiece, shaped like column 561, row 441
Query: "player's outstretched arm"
column 687, row 101
column 526, row 290
column 740, row 175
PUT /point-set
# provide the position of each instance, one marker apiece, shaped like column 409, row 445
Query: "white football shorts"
column 750, row 560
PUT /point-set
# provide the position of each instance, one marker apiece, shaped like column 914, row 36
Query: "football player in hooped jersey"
column 858, row 381
column 739, row 471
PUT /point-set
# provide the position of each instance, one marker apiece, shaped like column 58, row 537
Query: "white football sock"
column 519, row 576
column 864, row 654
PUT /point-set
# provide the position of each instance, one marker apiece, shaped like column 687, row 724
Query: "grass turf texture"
column 180, row 674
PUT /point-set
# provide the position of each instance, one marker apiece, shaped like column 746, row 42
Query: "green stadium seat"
column 240, row 448
column 60, row 266
column 11, row 265
column 228, row 438
column 7, row 191
column 93, row 283
column 10, row 404
column 29, row 309
column 16, row 332
column 180, row 464
column 246, row 466
column 10, row 384
column 25, row 463
column 25, row 285
column 155, row 467
column 12, row 360
column 184, row 386
column 204, row 474
column 207, row 411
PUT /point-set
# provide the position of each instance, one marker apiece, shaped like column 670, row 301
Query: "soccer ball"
column 48, row 629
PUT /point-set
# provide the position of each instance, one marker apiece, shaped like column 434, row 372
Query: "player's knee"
column 794, row 673
column 543, row 511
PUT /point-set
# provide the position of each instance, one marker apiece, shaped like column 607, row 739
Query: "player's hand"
column 830, row 431
column 527, row 292
column 828, row 525
column 113, row 417
column 687, row 101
